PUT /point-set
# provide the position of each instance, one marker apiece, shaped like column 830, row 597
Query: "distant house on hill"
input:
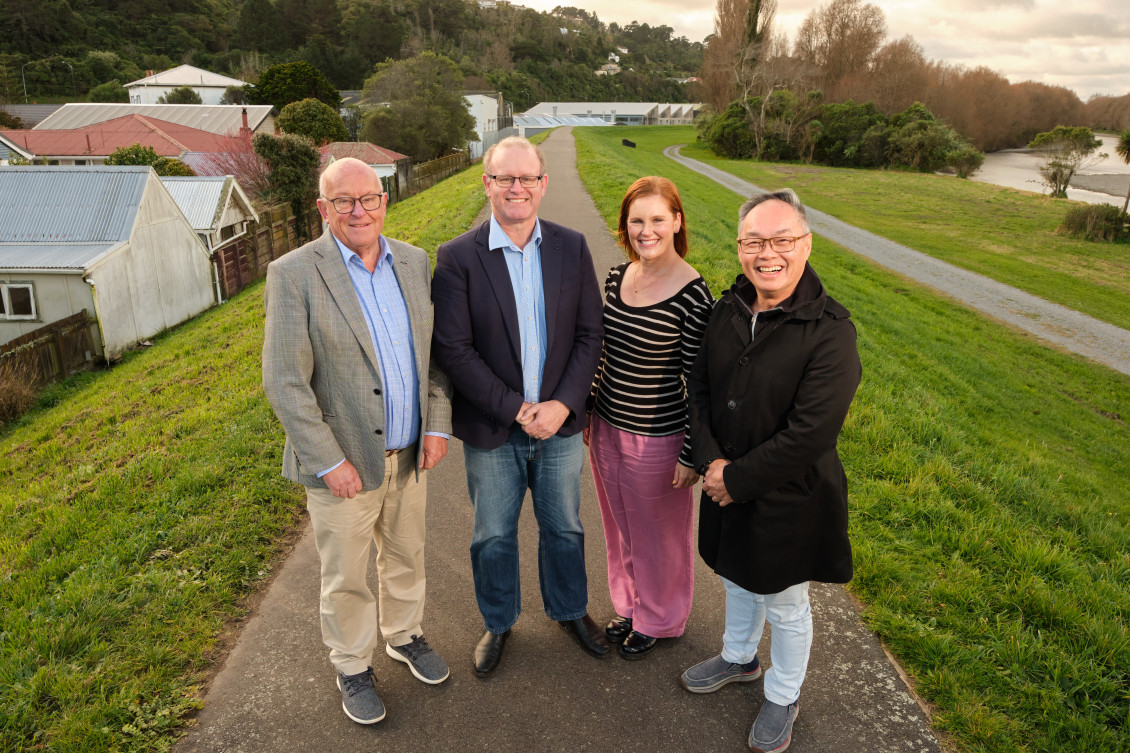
column 222, row 120
column 210, row 86
column 107, row 240
column 92, row 144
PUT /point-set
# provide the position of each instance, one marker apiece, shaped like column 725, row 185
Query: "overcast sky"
column 1081, row 44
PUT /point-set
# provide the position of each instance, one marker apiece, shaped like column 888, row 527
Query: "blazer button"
column 728, row 448
column 376, row 392
column 732, row 404
column 744, row 360
column 378, row 432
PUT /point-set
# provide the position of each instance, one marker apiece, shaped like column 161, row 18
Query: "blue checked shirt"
column 387, row 316
column 524, row 265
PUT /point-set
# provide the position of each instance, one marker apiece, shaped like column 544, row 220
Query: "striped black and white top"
column 648, row 353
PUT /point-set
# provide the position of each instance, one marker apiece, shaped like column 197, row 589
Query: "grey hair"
column 786, row 195
column 513, row 141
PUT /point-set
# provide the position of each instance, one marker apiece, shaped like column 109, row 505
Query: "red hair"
column 653, row 185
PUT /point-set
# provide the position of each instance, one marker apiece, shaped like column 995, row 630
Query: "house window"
column 17, row 301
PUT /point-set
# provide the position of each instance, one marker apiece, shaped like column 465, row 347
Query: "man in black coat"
column 768, row 395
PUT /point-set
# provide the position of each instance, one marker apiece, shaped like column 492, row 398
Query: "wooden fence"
column 245, row 260
column 57, row 350
column 429, row 173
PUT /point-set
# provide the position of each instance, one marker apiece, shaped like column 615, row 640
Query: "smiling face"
column 651, row 227
column 774, row 275
column 515, row 207
column 359, row 229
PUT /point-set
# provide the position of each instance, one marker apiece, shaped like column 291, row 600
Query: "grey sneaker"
column 708, row 676
column 422, row 659
column 359, row 697
column 773, row 729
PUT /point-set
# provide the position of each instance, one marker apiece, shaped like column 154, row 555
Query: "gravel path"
column 1058, row 325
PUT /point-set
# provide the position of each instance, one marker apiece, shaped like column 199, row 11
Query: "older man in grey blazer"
column 346, row 368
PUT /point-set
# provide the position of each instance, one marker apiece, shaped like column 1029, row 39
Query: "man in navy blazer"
column 518, row 331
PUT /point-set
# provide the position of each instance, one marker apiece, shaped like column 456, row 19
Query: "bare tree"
column 898, row 75
column 841, row 38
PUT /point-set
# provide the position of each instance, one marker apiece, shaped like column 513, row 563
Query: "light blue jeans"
column 790, row 641
column 497, row 481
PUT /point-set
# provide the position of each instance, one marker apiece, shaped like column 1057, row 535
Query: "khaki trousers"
column 391, row 519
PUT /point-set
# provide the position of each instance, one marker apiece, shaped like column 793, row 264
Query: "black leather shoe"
column 488, row 652
column 618, row 629
column 587, row 634
column 636, row 645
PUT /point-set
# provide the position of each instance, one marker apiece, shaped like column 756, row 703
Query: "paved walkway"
column 276, row 690
column 1059, row 325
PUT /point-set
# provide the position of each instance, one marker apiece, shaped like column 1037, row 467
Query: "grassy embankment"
column 989, row 493
column 1002, row 233
column 138, row 507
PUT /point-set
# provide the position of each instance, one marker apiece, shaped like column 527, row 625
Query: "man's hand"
column 544, row 418
column 524, row 416
column 435, row 448
column 684, row 477
column 714, row 485
column 343, row 481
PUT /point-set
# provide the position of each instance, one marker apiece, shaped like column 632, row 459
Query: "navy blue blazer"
column 476, row 340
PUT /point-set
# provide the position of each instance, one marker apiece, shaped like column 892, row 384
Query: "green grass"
column 1002, row 233
column 989, row 494
column 138, row 507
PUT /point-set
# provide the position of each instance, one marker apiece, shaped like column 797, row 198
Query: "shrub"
column 1095, row 222
column 181, row 95
column 965, row 160
column 111, row 91
column 17, row 389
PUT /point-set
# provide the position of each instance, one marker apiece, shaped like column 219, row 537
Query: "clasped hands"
column 713, row 483
column 542, row 420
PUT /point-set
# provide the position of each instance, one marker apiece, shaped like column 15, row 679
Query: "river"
column 1103, row 183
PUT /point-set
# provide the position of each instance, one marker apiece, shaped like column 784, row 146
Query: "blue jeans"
column 497, row 481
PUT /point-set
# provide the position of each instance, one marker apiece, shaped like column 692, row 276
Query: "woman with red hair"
column 656, row 310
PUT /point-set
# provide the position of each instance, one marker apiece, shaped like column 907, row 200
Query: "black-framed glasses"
column 781, row 245
column 369, row 202
column 505, row 181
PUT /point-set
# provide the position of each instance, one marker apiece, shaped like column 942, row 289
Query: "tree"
column 111, row 91
column 7, row 120
column 418, row 107
column 234, row 95
column 181, row 95
column 313, row 119
column 1063, row 151
column 293, row 162
column 145, row 155
column 282, row 84
column 260, row 27
column 841, row 38
column 1122, row 149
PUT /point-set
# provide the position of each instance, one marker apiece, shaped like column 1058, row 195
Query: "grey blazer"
column 320, row 370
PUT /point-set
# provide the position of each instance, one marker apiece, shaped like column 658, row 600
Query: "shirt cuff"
column 437, row 434
column 332, row 467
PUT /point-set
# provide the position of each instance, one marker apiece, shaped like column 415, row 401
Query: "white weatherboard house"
column 210, row 86
column 109, row 240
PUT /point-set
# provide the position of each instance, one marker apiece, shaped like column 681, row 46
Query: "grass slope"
column 138, row 506
column 1002, row 233
column 989, row 494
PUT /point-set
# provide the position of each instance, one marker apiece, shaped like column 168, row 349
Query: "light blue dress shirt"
column 386, row 314
column 524, row 265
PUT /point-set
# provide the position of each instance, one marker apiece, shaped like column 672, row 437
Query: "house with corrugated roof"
column 92, row 144
column 210, row 86
column 222, row 120
column 107, row 240
column 385, row 161
column 220, row 213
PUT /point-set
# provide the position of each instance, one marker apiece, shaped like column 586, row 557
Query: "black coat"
column 774, row 405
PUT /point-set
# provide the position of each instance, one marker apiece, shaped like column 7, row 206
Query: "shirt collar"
column 347, row 253
column 499, row 239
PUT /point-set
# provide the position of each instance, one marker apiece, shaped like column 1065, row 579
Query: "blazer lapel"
column 414, row 291
column 551, row 281
column 494, row 264
column 332, row 268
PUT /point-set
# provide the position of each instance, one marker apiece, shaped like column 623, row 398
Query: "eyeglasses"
column 369, row 202
column 505, row 181
column 781, row 245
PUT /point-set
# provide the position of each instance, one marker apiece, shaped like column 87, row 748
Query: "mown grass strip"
column 138, row 507
column 1002, row 233
column 989, row 494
